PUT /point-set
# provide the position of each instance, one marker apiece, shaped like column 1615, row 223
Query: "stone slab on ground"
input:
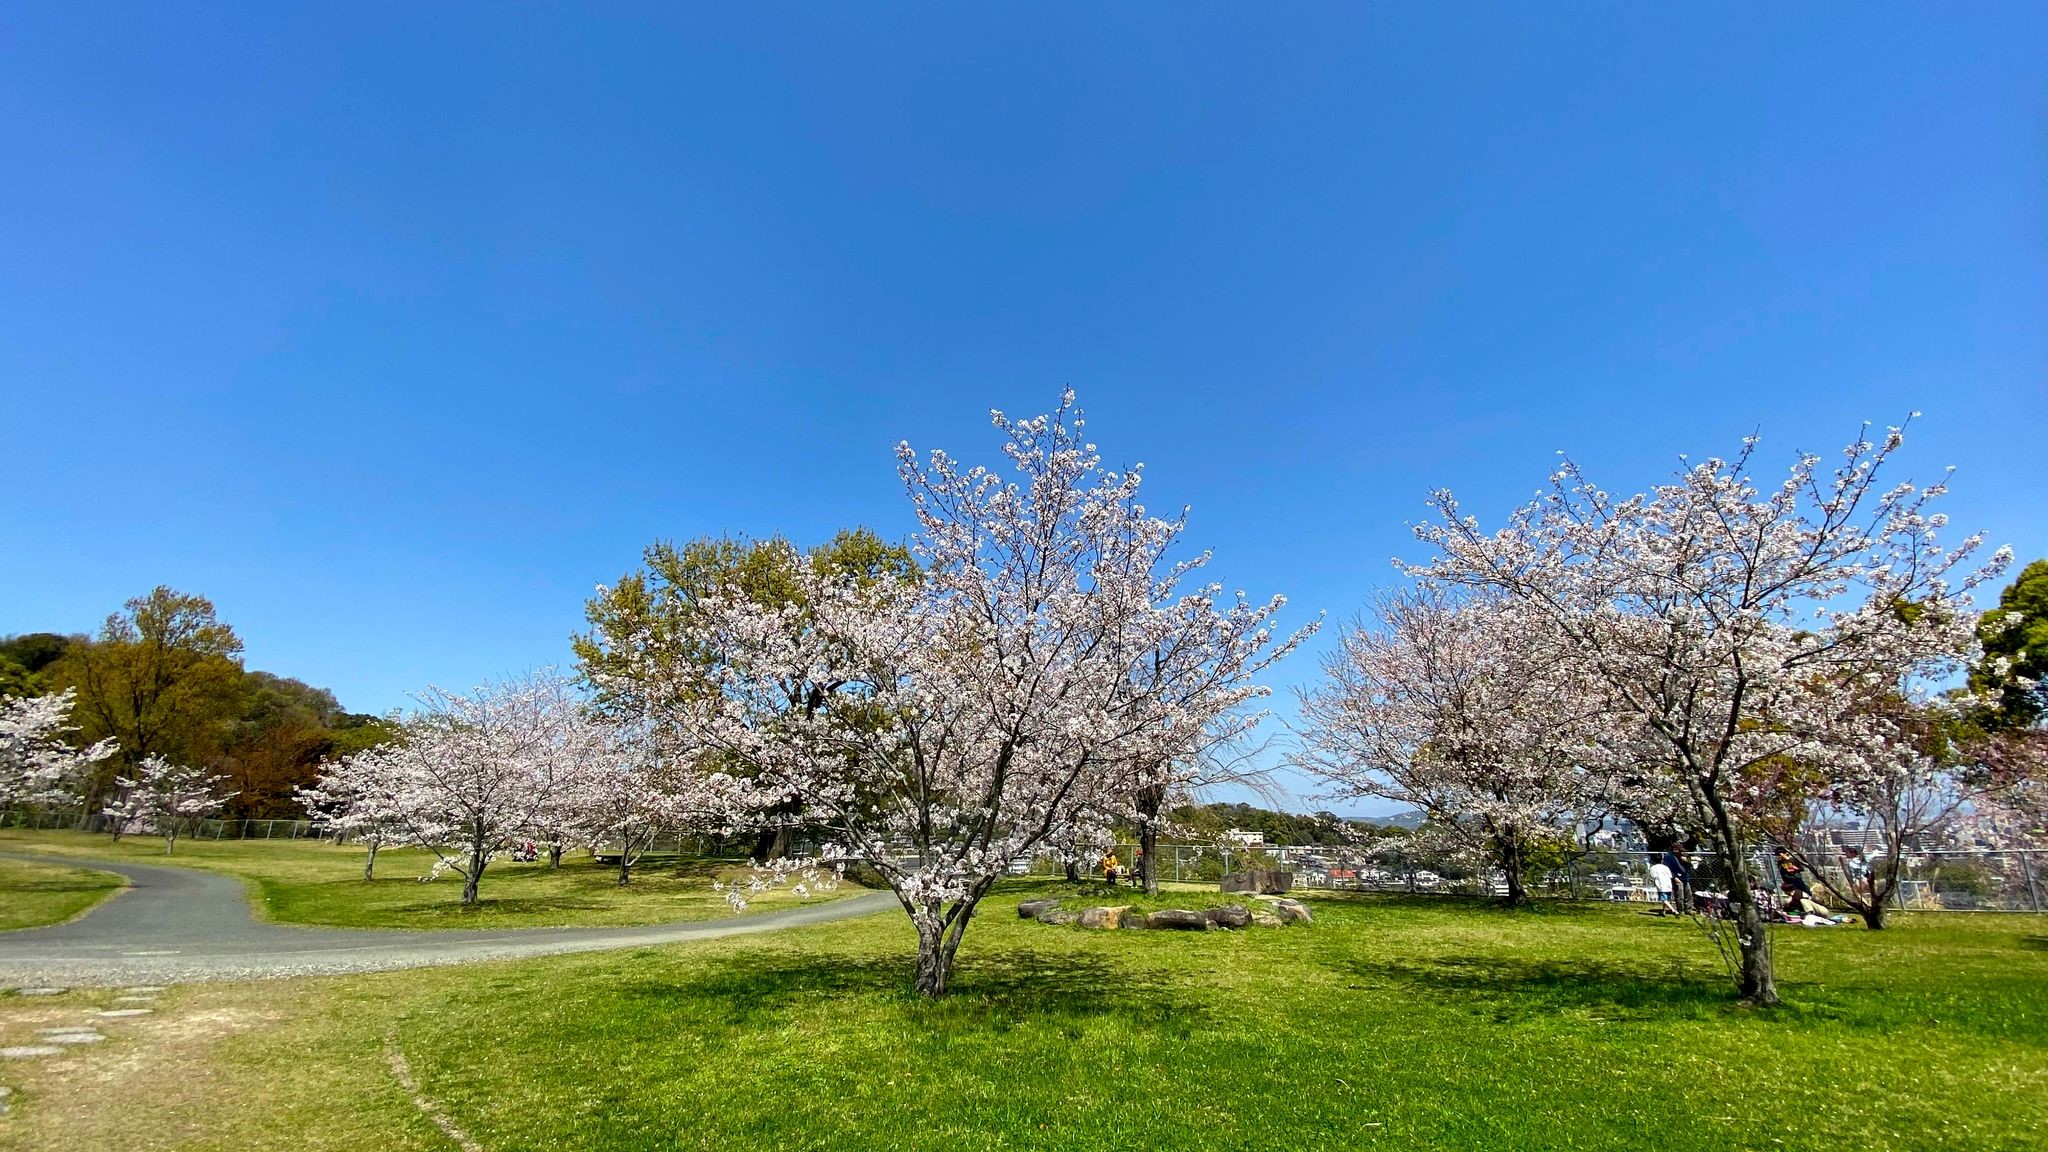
column 29, row 1051
column 1228, row 916
column 1292, row 911
column 1103, row 917
column 118, row 1013
column 1270, row 881
column 40, row 991
column 1184, row 919
column 1033, row 909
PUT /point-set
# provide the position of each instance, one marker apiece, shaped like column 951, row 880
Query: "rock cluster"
column 1229, row 916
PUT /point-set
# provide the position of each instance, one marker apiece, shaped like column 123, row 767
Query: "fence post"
column 2027, row 870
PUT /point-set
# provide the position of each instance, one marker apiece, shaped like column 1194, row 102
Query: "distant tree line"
column 163, row 677
column 1283, row 829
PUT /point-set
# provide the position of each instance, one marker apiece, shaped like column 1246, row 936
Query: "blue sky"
column 395, row 328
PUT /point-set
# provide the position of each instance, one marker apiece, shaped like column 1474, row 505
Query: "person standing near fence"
column 1856, row 866
column 1681, row 877
column 1660, row 878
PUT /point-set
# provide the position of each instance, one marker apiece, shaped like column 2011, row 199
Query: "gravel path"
column 179, row 925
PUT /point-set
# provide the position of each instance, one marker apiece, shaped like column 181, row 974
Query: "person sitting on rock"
column 1111, row 869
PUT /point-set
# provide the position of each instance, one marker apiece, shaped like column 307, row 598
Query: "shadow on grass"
column 993, row 991
column 454, row 909
column 45, row 887
column 1538, row 906
column 2034, row 943
column 1513, row 989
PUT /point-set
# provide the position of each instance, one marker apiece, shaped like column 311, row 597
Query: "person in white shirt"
column 1660, row 878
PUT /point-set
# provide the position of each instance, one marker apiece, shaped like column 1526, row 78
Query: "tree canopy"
column 164, row 677
column 2015, row 639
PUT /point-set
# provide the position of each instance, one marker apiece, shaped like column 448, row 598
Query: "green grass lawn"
column 1390, row 1023
column 309, row 882
column 32, row 894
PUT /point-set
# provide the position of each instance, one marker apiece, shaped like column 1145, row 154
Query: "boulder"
column 1228, row 916
column 1267, row 881
column 1293, row 910
column 1058, row 916
column 1102, row 917
column 1184, row 919
column 1036, row 909
column 1267, row 920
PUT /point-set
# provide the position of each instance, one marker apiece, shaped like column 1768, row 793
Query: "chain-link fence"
column 669, row 845
column 1975, row 880
column 192, row 828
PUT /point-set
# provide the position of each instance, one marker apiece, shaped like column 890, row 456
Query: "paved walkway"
column 176, row 925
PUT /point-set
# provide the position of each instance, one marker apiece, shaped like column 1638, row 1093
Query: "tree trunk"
column 171, row 839
column 773, row 843
column 1148, row 858
column 475, row 875
column 1881, row 884
column 555, row 854
column 1073, row 871
column 1150, row 801
column 625, row 858
column 1509, row 848
column 1756, row 981
column 370, row 860
column 938, row 941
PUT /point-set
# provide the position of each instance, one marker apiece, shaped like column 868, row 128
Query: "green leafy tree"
column 2024, row 643
column 651, row 610
column 161, row 678
column 16, row 680
column 24, row 658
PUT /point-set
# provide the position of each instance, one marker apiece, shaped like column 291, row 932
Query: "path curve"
column 180, row 925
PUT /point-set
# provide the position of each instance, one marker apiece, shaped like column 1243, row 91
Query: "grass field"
column 308, row 882
column 1389, row 1023
column 32, row 894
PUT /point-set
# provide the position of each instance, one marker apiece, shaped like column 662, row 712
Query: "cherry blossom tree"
column 653, row 612
column 471, row 774
column 1460, row 709
column 37, row 766
column 2009, row 771
column 949, row 724
column 160, row 795
column 352, row 799
column 638, row 790
column 1731, row 625
column 1909, row 783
